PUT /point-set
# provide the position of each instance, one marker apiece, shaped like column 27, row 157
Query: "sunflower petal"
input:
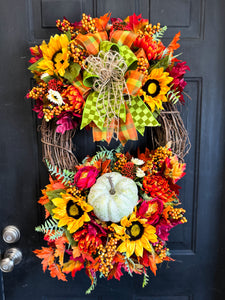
column 139, row 248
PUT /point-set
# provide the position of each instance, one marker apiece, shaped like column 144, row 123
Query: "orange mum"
column 158, row 187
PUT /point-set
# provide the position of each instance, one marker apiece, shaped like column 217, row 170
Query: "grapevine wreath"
column 113, row 212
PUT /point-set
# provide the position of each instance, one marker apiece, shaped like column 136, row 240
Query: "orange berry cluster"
column 142, row 65
column 50, row 111
column 157, row 159
column 151, row 29
column 161, row 250
column 39, row 91
column 177, row 214
column 107, row 254
column 121, row 161
column 158, row 247
column 77, row 53
column 88, row 23
column 163, row 253
column 75, row 192
column 65, row 26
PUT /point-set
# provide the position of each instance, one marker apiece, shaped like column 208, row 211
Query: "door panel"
column 198, row 246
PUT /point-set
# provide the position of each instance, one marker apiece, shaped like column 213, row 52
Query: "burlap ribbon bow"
column 113, row 82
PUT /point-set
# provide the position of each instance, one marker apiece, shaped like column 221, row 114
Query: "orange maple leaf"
column 105, row 166
column 72, row 266
column 97, row 164
column 144, row 156
column 152, row 264
column 174, row 45
column 76, row 252
column 47, row 213
column 47, row 256
column 44, row 199
column 55, row 271
column 60, row 248
column 54, row 185
column 100, row 23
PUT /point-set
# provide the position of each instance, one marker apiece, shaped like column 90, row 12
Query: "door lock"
column 12, row 257
column 11, row 234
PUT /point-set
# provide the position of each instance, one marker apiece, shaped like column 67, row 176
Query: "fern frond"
column 103, row 153
column 92, row 287
column 127, row 265
column 119, row 149
column 145, row 280
column 51, row 228
column 173, row 95
column 66, row 175
column 159, row 34
column 57, row 234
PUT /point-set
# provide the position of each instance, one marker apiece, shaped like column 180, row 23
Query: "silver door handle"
column 11, row 234
column 12, row 257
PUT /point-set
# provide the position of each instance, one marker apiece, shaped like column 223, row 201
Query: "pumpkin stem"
column 112, row 190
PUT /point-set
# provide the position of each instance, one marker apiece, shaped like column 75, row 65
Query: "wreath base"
column 172, row 130
column 58, row 148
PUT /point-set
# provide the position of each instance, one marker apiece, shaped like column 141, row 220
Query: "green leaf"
column 72, row 72
column 50, row 206
column 69, row 237
column 34, row 66
column 163, row 63
column 47, row 78
column 55, row 194
column 68, row 33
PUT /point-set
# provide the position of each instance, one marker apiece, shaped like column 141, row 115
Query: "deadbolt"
column 11, row 234
column 12, row 257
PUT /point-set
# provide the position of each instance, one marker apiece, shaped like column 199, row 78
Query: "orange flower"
column 158, row 187
column 174, row 169
column 152, row 48
column 87, row 243
column 72, row 95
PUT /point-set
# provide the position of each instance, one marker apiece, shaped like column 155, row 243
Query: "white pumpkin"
column 113, row 196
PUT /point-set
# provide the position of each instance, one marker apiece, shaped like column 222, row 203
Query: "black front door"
column 198, row 246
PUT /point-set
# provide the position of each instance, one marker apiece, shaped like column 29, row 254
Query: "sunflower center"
column 135, row 231
column 152, row 87
column 56, row 56
column 73, row 210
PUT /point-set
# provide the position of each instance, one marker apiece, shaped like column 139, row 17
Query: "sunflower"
column 71, row 211
column 155, row 88
column 55, row 55
column 136, row 235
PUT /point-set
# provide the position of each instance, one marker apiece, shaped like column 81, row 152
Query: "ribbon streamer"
column 108, row 70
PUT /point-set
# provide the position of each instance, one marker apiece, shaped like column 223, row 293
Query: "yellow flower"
column 71, row 211
column 155, row 88
column 55, row 55
column 135, row 234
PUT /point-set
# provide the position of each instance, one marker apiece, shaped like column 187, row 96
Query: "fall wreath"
column 112, row 212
